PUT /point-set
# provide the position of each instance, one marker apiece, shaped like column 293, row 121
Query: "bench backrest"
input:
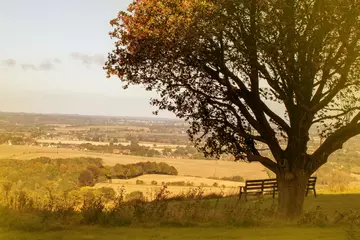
column 312, row 182
column 263, row 184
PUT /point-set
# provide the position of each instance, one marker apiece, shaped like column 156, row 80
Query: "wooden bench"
column 269, row 186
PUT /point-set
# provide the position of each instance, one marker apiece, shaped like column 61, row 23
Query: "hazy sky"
column 51, row 58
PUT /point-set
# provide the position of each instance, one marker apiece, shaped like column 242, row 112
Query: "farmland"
column 186, row 167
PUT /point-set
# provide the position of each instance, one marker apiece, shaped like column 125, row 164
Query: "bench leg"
column 314, row 192
column 240, row 192
column 307, row 191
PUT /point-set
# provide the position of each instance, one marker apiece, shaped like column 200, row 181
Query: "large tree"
column 219, row 64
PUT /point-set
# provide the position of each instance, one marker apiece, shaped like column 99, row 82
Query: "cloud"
column 57, row 61
column 27, row 66
column 46, row 65
column 87, row 60
column 9, row 62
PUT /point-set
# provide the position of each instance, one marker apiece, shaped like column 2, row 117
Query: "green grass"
column 328, row 204
column 98, row 233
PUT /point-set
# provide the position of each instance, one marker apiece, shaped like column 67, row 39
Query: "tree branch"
column 335, row 142
column 266, row 162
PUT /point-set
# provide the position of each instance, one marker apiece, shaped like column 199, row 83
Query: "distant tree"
column 166, row 151
column 222, row 65
column 86, row 178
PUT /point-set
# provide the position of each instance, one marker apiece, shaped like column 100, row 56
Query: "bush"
column 141, row 168
column 107, row 193
column 140, row 182
column 179, row 183
column 135, row 196
column 190, row 184
column 233, row 179
column 215, row 184
column 153, row 182
column 86, row 178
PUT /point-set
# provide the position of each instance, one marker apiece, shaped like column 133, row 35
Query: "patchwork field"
column 185, row 167
column 159, row 146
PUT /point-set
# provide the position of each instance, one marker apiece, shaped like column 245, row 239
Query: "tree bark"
column 291, row 189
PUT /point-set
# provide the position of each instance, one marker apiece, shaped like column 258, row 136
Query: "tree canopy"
column 220, row 63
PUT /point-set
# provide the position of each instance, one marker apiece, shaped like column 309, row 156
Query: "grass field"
column 97, row 233
column 329, row 203
column 148, row 189
column 185, row 167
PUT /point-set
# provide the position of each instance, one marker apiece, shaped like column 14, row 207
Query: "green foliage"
column 176, row 183
column 137, row 169
column 86, row 178
column 40, row 173
column 107, row 193
column 233, row 178
column 135, row 196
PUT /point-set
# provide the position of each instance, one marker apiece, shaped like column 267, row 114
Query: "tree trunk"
column 291, row 193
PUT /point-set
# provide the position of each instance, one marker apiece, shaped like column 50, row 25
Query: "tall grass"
column 27, row 211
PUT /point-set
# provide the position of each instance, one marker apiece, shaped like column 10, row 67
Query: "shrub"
column 190, row 184
column 178, row 183
column 86, row 178
column 135, row 196
column 153, row 182
column 233, row 178
column 138, row 169
column 140, row 182
column 107, row 193
column 215, row 184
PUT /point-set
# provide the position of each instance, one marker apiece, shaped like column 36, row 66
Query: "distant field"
column 85, row 128
column 75, row 142
column 146, row 144
column 185, row 167
column 148, row 189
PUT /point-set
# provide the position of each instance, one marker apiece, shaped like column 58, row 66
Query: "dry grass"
column 185, row 167
column 148, row 189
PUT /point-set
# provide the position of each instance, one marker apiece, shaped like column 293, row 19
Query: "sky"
column 51, row 59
